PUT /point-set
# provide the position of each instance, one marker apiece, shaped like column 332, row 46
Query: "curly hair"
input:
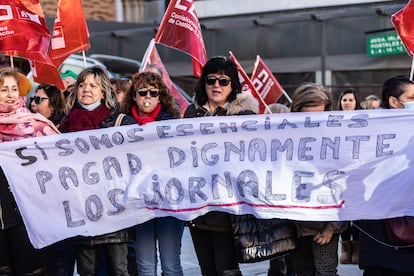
column 143, row 79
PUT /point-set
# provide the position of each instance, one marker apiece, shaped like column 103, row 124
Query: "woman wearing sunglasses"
column 49, row 101
column 150, row 100
column 17, row 255
column 218, row 93
column 93, row 105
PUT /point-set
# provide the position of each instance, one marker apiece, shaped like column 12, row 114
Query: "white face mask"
column 409, row 105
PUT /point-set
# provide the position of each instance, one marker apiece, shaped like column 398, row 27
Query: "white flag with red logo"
column 70, row 31
column 152, row 58
column 23, row 29
column 181, row 30
column 246, row 83
column 266, row 83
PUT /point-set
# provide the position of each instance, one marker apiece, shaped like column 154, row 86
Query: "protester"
column 149, row 100
column 93, row 105
column 121, row 87
column 49, row 101
column 17, row 255
column 377, row 256
column 277, row 266
column 371, row 102
column 348, row 100
column 69, row 79
column 317, row 253
column 217, row 93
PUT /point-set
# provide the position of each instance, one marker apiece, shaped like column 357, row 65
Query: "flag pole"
column 412, row 68
column 11, row 62
column 84, row 58
column 147, row 55
column 287, row 96
column 256, row 63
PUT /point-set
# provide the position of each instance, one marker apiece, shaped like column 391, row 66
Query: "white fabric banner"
column 323, row 166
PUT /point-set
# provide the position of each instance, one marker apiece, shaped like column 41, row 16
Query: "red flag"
column 265, row 82
column 181, row 30
column 23, row 29
column 403, row 21
column 151, row 57
column 46, row 72
column 247, row 85
column 70, row 31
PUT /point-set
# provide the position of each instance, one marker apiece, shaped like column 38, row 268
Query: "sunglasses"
column 211, row 80
column 37, row 99
column 153, row 92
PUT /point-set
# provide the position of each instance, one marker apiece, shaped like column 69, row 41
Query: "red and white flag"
column 246, row 83
column 266, row 83
column 70, row 35
column 23, row 29
column 181, row 30
column 403, row 21
column 70, row 31
column 151, row 57
column 46, row 72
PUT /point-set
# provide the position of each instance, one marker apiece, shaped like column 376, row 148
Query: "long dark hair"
column 218, row 65
column 345, row 92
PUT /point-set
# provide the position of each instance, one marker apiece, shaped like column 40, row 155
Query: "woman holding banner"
column 149, row 100
column 317, row 252
column 379, row 256
column 348, row 100
column 218, row 93
column 17, row 255
column 93, row 105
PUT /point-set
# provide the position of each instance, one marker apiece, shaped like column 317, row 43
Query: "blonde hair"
column 102, row 78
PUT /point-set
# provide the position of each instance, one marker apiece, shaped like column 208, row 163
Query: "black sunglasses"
column 153, row 92
column 211, row 80
column 37, row 99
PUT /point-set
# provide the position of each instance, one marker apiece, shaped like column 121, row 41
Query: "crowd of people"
column 91, row 100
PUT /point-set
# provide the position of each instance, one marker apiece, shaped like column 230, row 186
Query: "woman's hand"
column 325, row 235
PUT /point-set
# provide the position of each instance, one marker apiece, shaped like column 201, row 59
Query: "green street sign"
column 382, row 45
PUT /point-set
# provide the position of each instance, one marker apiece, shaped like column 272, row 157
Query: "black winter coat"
column 244, row 104
column 374, row 253
column 261, row 239
column 9, row 214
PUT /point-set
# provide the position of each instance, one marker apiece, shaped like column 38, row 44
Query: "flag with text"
column 181, row 30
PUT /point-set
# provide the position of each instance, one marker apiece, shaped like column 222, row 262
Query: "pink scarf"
column 17, row 122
